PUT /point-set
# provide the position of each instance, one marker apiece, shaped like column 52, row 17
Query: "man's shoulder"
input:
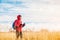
column 15, row 20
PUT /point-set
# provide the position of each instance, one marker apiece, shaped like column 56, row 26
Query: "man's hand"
column 23, row 24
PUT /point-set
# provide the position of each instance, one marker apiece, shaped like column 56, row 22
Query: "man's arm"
column 22, row 25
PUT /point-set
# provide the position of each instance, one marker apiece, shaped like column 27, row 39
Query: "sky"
column 37, row 14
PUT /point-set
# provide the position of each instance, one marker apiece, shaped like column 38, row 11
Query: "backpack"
column 13, row 25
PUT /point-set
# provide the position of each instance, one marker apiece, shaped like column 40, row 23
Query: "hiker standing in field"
column 18, row 27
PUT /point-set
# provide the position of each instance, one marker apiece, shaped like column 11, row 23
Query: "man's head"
column 19, row 17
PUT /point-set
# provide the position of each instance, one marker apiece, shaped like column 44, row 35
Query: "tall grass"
column 41, row 35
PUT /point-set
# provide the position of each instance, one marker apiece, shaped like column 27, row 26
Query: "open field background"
column 29, row 35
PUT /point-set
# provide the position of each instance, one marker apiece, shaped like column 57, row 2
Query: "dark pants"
column 18, row 34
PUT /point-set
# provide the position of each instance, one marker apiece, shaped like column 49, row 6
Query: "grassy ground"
column 42, row 35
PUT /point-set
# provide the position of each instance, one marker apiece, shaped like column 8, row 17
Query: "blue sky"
column 44, row 13
column 7, row 6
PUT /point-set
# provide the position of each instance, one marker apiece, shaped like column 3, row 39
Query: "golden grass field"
column 41, row 35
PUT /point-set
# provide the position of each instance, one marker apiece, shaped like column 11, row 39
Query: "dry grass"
column 42, row 35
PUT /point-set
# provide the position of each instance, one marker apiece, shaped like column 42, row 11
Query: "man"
column 18, row 27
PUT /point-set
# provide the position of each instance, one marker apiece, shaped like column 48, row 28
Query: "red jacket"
column 17, row 24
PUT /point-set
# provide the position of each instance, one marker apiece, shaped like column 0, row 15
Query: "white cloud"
column 6, row 18
column 40, row 12
column 39, row 26
column 37, row 13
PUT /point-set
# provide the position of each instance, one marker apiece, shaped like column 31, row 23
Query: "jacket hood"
column 18, row 17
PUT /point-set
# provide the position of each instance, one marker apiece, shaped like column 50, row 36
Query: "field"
column 29, row 35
